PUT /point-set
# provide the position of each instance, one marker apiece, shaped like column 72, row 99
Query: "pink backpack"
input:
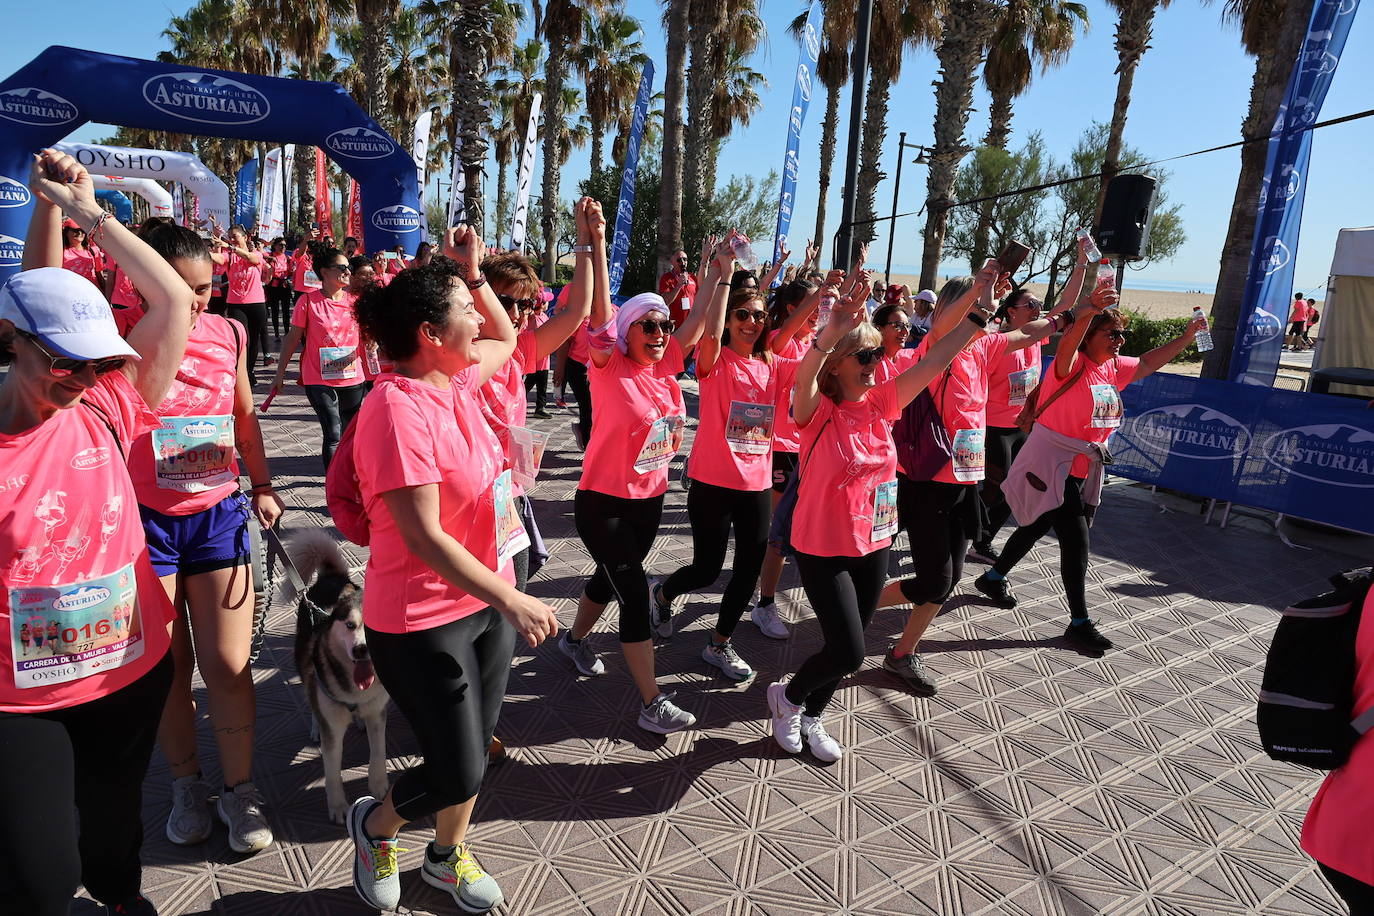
column 342, row 494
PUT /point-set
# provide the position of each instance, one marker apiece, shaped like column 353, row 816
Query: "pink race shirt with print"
column 76, row 563
column 961, row 396
column 124, row 292
column 786, row 436
column 1010, row 379
column 303, row 276
column 245, row 281
column 733, row 447
column 890, row 368
column 847, row 501
column 330, row 354
column 637, row 425
column 412, row 434
column 281, row 268
column 187, row 464
column 1090, row 410
column 80, row 261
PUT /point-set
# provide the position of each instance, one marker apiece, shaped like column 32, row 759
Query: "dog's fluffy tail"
column 315, row 551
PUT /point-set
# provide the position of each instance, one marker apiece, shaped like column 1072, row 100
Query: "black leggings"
column 253, row 317
column 539, row 381
column 575, row 374
column 940, row 519
column 1003, row 444
column 1356, row 894
column 619, row 534
column 279, row 308
column 843, row 592
column 1070, row 524
column 335, row 407
column 449, row 682
column 85, row 762
column 712, row 510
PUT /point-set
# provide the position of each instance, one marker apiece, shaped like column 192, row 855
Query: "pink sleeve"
column 995, row 347
column 526, row 348
column 602, row 339
column 673, row 360
column 884, row 399
column 116, row 400
column 396, row 450
column 300, row 315
column 1126, row 368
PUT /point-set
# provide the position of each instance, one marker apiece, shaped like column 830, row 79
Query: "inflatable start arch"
column 63, row 88
column 158, row 165
column 159, row 201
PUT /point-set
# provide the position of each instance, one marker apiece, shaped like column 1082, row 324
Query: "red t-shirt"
column 961, row 396
column 1013, row 377
column 733, row 447
column 76, row 562
column 411, row 434
column 1092, row 408
column 245, row 281
column 680, row 302
column 330, row 353
column 1299, row 312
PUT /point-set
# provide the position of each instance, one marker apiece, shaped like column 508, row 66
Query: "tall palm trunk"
column 670, row 195
column 554, row 69
column 828, row 138
column 1273, row 69
column 1134, row 28
column 968, row 26
column 708, row 170
column 871, row 149
column 999, row 132
column 472, row 38
column 502, row 195
column 598, row 143
column 305, row 185
column 374, row 67
column 697, row 132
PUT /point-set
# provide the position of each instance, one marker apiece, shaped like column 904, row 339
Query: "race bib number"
column 194, row 454
column 659, row 446
column 1020, row 384
column 969, row 455
column 749, row 428
column 511, row 537
column 310, row 279
column 62, row 633
column 338, row 363
column 527, row 453
column 374, row 365
column 1107, row 409
column 884, row 511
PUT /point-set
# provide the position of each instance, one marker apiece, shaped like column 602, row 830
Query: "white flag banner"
column 271, row 215
column 288, row 178
column 457, row 207
column 419, row 149
column 522, row 200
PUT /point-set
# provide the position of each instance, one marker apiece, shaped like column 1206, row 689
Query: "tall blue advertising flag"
column 801, row 100
column 624, row 211
column 246, row 195
column 1273, row 260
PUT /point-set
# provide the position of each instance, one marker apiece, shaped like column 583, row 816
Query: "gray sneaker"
column 660, row 614
column 767, row 620
column 588, row 663
column 664, row 717
column 912, row 672
column 462, row 878
column 374, row 861
column 190, row 821
column 241, row 811
column 724, row 657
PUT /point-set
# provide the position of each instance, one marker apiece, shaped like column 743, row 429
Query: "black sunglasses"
column 651, row 326
column 524, row 305
column 63, row 366
column 758, row 316
column 1116, row 334
column 341, row 268
column 868, row 357
column 899, row 325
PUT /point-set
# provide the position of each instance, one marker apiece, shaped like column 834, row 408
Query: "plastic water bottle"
column 1106, row 274
column 1093, row 252
column 823, row 313
column 1204, row 337
column 744, row 253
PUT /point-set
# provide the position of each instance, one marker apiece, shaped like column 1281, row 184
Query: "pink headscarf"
column 634, row 309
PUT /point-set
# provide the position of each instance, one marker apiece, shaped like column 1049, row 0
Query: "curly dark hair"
column 173, row 242
column 392, row 314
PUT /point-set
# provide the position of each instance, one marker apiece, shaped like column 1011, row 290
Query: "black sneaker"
column 984, row 553
column 996, row 589
column 912, row 672
column 1086, row 637
column 138, row 906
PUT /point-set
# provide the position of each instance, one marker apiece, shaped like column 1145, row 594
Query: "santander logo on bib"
column 31, row 105
column 201, row 430
column 397, row 218
column 206, row 98
column 1330, row 453
column 359, row 143
column 91, row 458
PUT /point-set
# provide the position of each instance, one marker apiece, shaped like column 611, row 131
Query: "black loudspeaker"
column 1127, row 211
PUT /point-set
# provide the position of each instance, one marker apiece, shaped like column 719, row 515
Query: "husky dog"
column 335, row 668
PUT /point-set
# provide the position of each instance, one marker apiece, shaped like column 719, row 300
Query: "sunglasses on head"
column 758, row 316
column 652, row 327
column 868, row 357
column 1116, row 334
column 524, row 305
column 63, row 366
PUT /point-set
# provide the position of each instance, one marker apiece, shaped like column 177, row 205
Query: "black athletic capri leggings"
column 575, row 374
column 1356, row 894
column 1070, row 524
column 449, row 682
column 844, row 593
column 1003, row 444
column 84, row 763
column 253, row 317
column 619, row 534
column 940, row 519
column 712, row 511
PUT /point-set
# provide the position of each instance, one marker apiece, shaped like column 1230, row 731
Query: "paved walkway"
column 1038, row 781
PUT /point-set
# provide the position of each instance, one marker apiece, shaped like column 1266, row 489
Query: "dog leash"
column 275, row 550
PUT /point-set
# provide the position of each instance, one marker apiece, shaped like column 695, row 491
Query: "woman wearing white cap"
column 636, row 431
column 77, row 725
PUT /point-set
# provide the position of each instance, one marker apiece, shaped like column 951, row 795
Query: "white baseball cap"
column 926, row 295
column 65, row 311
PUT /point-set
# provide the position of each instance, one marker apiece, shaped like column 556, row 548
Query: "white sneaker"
column 190, row 821
column 767, row 620
column 664, row 717
column 241, row 811
column 587, row 662
column 660, row 614
column 786, row 719
column 823, row 746
column 577, row 435
column 724, row 657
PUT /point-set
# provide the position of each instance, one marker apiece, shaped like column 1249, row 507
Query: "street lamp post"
column 896, row 187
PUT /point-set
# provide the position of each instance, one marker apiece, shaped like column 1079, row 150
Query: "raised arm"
column 801, row 312
column 497, row 341
column 1066, row 354
column 714, row 326
column 549, row 336
column 941, row 352
column 806, row 396
column 776, row 267
column 1073, row 289
column 1164, row 354
column 43, row 245
column 715, row 282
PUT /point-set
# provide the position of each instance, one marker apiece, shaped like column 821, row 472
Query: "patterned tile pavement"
column 1038, row 781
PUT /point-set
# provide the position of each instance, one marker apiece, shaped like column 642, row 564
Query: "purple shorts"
column 214, row 538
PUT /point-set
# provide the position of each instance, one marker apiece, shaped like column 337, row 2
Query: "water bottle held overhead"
column 1204, row 337
column 744, row 252
column 1106, row 274
column 1092, row 251
column 823, row 312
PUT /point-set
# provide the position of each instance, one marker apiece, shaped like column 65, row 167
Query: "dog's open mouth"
column 363, row 675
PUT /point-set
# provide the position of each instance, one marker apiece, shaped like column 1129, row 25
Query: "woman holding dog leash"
column 439, row 601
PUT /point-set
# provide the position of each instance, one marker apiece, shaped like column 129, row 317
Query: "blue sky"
column 1191, row 91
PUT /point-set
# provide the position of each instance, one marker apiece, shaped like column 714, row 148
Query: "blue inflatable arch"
column 63, row 88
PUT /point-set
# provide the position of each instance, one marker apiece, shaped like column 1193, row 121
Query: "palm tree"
column 675, row 25
column 1273, row 32
column 610, row 61
column 832, row 68
column 734, row 99
column 573, row 133
column 1134, row 29
column 505, row 134
column 720, row 32
column 515, row 92
column 653, row 129
column 375, row 18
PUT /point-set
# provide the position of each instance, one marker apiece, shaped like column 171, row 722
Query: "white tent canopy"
column 160, row 165
column 1346, row 326
column 159, row 201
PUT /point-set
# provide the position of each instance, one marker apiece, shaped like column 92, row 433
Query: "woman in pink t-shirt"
column 78, row 718
column 894, row 323
column 846, row 510
column 440, row 607
column 636, row 431
column 1088, row 361
column 246, row 298
column 278, row 287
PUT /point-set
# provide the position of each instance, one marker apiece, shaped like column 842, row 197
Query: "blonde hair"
column 864, row 337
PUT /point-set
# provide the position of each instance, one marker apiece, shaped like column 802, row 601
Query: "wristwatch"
column 583, row 249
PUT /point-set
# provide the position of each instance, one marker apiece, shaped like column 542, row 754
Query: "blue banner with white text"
column 246, row 195
column 807, row 57
column 1263, row 315
column 625, row 209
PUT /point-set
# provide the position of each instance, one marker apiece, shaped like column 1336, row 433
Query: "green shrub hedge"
column 1144, row 334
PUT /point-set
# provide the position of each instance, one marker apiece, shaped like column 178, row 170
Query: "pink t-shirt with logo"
column 733, row 447
column 76, row 562
column 187, row 463
column 281, row 268
column 412, row 434
column 1090, row 410
column 80, row 261
column 1010, row 379
column 847, row 500
column 245, row 281
column 961, row 396
column 503, row 396
column 637, row 422
column 124, row 292
column 891, row 368
column 330, row 354
column 786, row 436
column 303, row 276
